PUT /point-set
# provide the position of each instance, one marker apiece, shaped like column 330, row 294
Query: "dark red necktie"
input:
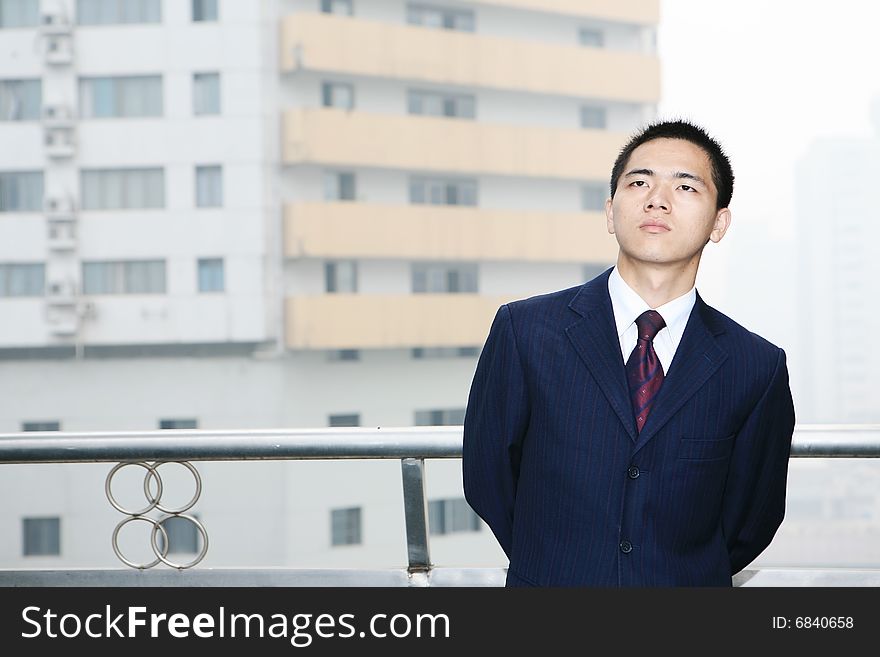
column 644, row 372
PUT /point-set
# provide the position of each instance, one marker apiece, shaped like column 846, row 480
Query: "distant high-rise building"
column 292, row 213
column 838, row 275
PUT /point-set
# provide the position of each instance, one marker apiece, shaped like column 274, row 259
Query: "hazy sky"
column 766, row 79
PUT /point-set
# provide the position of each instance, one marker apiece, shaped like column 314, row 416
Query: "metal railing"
column 411, row 445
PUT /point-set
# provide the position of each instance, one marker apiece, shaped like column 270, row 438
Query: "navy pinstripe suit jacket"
column 575, row 496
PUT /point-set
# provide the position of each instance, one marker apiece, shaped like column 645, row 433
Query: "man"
column 623, row 432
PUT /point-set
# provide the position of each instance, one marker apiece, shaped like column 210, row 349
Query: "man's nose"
column 657, row 201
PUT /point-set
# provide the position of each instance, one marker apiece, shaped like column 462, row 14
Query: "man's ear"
column 722, row 223
column 609, row 216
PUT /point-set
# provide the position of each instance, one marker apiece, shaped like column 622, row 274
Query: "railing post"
column 415, row 507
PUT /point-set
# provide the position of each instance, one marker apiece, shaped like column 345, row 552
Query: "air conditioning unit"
column 59, row 49
column 59, row 137
column 59, row 142
column 55, row 21
column 58, row 115
column 63, row 322
column 61, row 293
column 61, row 234
column 58, row 206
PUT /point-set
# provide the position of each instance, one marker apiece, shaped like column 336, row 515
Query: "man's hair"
column 722, row 173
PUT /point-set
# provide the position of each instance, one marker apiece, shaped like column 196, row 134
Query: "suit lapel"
column 594, row 336
column 697, row 358
column 595, row 339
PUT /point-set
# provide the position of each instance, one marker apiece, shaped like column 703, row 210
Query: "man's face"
column 663, row 210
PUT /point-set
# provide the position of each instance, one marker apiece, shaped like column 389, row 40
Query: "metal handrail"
column 246, row 445
column 411, row 445
column 818, row 441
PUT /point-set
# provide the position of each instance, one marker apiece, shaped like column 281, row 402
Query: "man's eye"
column 638, row 183
column 688, row 188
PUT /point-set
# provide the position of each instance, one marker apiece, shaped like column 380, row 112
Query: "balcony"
column 361, row 230
column 352, row 46
column 373, row 321
column 645, row 12
column 411, row 446
column 333, row 137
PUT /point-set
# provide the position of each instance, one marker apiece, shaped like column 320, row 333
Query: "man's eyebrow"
column 690, row 176
column 678, row 174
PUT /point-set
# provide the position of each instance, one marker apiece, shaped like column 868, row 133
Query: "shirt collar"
column 628, row 305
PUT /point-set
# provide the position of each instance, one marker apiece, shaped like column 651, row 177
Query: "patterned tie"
column 643, row 369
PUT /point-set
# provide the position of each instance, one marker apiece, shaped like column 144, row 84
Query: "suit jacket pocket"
column 705, row 449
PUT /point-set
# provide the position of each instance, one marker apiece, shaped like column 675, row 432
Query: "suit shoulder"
column 541, row 304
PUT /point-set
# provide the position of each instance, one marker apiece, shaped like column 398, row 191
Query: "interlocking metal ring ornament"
column 153, row 502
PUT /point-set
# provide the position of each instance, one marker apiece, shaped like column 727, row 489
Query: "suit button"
column 626, row 547
column 633, row 472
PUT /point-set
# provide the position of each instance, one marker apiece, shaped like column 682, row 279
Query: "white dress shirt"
column 628, row 305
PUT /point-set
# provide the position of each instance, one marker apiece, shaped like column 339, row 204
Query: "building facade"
column 219, row 214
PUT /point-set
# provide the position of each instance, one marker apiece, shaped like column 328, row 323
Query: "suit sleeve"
column 495, row 423
column 754, row 497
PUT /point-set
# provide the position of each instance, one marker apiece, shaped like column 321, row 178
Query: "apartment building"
column 221, row 214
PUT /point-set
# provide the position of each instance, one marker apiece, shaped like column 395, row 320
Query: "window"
column 593, row 116
column 337, row 94
column 452, row 515
column 442, row 191
column 342, row 7
column 591, row 36
column 345, row 526
column 21, row 191
column 339, row 186
column 204, row 11
column 22, row 279
column 206, row 93
column 346, row 420
column 211, row 275
column 183, row 536
column 435, row 103
column 52, row 425
column 440, row 17
column 209, row 186
column 120, row 97
column 126, row 277
column 42, row 536
column 593, row 197
column 19, row 13
column 444, row 278
column 340, row 355
column 445, row 352
column 177, row 423
column 20, row 100
column 340, row 276
column 443, row 417
column 123, row 189
column 114, row 12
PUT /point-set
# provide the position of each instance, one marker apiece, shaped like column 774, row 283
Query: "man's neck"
column 657, row 284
